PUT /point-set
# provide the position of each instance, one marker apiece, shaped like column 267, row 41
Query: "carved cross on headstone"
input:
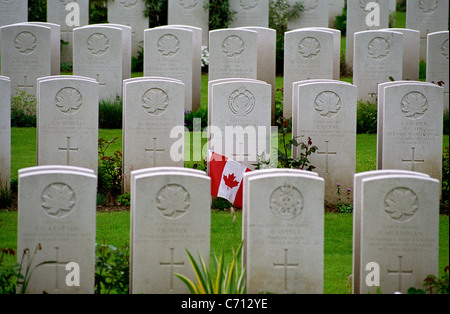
column 413, row 159
column 154, row 150
column 399, row 272
column 68, row 149
column 285, row 266
column 98, row 80
column 57, row 264
column 172, row 264
column 326, row 153
column 240, row 154
column 25, row 85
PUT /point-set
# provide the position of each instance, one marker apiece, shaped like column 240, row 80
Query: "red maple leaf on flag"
column 230, row 181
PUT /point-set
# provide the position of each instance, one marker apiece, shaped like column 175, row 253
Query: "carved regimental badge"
column 173, row 201
column 241, row 102
column 58, row 200
column 68, row 100
column 128, row 3
column 286, row 202
column 25, row 43
column 188, row 4
column 414, row 105
column 401, row 204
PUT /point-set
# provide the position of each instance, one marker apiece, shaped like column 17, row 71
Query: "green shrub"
column 156, row 11
column 366, row 117
column 220, row 15
column 5, row 195
column 110, row 174
column 110, row 114
column 189, row 117
column 37, row 10
column 98, row 11
column 137, row 63
column 341, row 22
column 112, row 269
column 23, row 110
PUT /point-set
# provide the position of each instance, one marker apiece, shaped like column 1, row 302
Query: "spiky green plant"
column 226, row 279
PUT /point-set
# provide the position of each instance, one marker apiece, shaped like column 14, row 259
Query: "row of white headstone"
column 395, row 229
column 31, row 50
column 409, row 132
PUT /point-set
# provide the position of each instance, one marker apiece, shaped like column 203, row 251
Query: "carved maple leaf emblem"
column 379, row 48
column 327, row 104
column 58, row 200
column 68, row 100
column 248, row 4
column 428, row 5
column 97, row 44
column 155, row 101
column 233, row 46
column 188, row 4
column 309, row 47
column 414, row 105
column 168, row 45
column 25, row 42
column 230, row 181
column 401, row 204
column 173, row 201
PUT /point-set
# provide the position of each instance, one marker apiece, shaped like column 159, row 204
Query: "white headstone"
column 438, row 64
column 67, row 121
column 399, row 228
column 285, row 232
column 411, row 52
column 152, row 108
column 315, row 14
column 57, row 210
column 130, row 13
column 126, row 48
column 336, row 8
column 55, row 44
column 170, row 213
column 326, row 113
column 169, row 52
column 99, row 55
column 26, row 55
column 266, row 59
column 76, row 16
column 410, row 137
column 5, row 131
column 378, row 57
column 357, row 213
column 233, row 54
column 13, row 11
column 308, row 54
column 192, row 12
column 249, row 13
column 358, row 12
column 239, row 125
column 426, row 16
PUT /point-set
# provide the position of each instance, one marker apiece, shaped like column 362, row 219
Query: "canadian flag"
column 226, row 178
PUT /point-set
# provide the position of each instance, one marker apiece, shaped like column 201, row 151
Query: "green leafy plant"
column 280, row 11
column 341, row 21
column 226, row 279
column 156, row 11
column 5, row 195
column 137, row 63
column 433, row 284
column 306, row 149
column 112, row 269
column 220, row 15
column 23, row 110
column 25, row 272
column 98, row 11
column 110, row 174
column 344, row 206
column 110, row 114
column 366, row 117
column 124, row 199
column 445, row 182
